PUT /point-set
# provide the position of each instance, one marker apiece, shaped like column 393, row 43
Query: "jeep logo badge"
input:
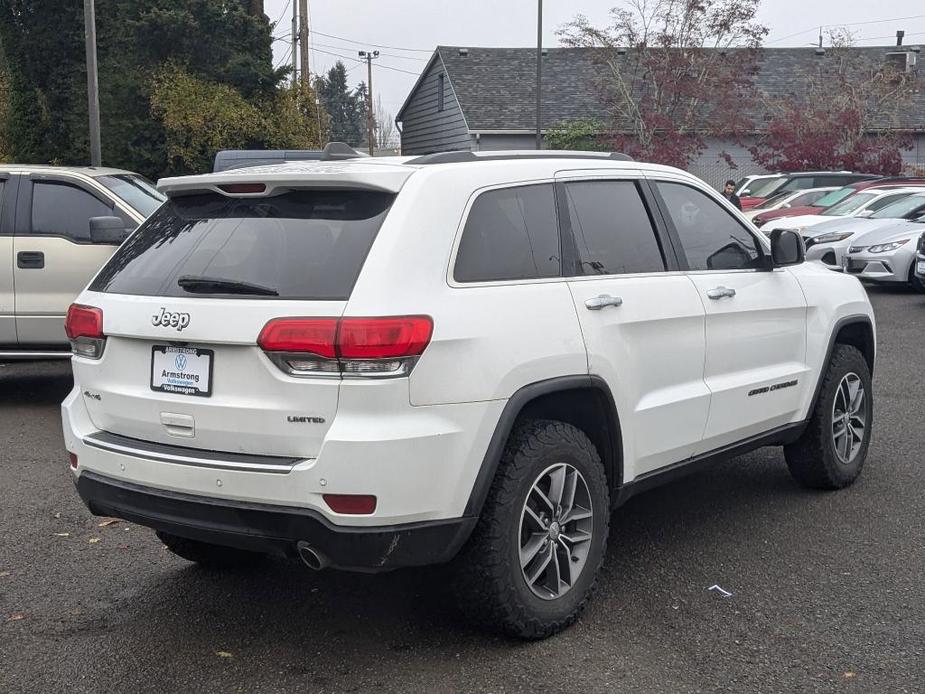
column 168, row 319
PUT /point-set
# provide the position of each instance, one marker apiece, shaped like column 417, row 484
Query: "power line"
column 285, row 59
column 846, row 24
column 889, row 36
column 350, row 57
column 279, row 19
column 390, row 55
column 375, row 45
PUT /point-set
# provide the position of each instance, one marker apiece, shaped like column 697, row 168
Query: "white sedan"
column 862, row 204
column 829, row 241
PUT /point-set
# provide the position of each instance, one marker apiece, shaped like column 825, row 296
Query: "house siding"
column 426, row 129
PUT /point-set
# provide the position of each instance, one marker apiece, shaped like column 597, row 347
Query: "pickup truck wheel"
column 832, row 450
column 533, row 558
column 208, row 555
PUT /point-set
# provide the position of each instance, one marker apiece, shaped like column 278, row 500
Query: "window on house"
column 441, row 87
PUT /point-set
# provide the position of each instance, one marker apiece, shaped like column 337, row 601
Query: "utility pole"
column 539, row 72
column 294, row 36
column 303, row 43
column 369, row 56
column 93, row 89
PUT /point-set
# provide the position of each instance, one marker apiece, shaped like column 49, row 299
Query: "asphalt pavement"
column 827, row 589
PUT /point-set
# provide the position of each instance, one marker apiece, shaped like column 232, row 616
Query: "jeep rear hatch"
column 185, row 299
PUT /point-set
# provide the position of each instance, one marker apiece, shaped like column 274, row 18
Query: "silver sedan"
column 887, row 255
column 829, row 242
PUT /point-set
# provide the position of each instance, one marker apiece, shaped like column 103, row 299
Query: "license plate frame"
column 183, row 386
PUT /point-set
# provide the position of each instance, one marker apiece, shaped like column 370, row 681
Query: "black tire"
column 209, row 555
column 493, row 591
column 813, row 460
column 917, row 283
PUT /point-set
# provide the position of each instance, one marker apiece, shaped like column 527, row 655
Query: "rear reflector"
column 356, row 504
column 73, row 459
column 83, row 321
column 242, row 188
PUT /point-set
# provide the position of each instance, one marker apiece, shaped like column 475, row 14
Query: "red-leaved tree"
column 674, row 72
column 845, row 116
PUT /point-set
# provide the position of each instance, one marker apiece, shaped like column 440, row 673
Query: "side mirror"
column 866, row 213
column 787, row 248
column 745, row 193
column 108, row 230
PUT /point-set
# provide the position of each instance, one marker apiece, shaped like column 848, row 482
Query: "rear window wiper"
column 219, row 285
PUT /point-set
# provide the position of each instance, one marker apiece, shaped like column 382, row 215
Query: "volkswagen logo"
column 181, row 362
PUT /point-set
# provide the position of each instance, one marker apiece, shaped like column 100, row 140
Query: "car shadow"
column 35, row 383
column 295, row 610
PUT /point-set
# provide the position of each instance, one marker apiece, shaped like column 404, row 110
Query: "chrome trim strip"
column 25, row 355
column 281, row 468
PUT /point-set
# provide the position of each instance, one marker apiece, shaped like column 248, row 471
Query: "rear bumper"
column 274, row 529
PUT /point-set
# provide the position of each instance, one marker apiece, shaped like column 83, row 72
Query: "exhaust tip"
column 311, row 557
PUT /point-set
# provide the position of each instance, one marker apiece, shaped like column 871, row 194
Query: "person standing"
column 729, row 192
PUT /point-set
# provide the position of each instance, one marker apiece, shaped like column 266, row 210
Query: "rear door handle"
column 721, row 293
column 598, row 302
column 30, row 260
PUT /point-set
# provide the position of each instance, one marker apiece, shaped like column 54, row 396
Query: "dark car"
column 920, row 259
column 763, row 189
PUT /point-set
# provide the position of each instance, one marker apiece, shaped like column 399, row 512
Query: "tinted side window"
column 511, row 234
column 801, row 183
column 64, row 210
column 884, row 201
column 712, row 238
column 612, row 230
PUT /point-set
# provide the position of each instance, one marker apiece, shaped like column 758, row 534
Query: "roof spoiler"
column 337, row 151
column 462, row 156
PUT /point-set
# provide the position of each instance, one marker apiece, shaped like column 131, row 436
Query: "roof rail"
column 463, row 156
column 335, row 151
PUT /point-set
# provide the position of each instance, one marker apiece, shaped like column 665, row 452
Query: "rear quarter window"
column 510, row 234
column 301, row 244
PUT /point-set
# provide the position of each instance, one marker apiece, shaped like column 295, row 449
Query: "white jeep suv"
column 379, row 363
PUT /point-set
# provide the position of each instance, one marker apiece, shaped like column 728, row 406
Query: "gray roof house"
column 483, row 99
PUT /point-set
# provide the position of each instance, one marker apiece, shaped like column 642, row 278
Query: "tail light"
column 84, row 328
column 376, row 347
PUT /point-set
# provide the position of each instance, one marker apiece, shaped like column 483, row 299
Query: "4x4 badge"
column 169, row 319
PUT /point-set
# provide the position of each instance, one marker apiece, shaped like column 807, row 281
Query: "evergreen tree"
column 218, row 41
column 346, row 107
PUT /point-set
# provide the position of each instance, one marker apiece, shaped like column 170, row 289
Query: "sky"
column 408, row 30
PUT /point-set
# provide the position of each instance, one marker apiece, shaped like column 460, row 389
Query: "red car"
column 835, row 197
column 764, row 188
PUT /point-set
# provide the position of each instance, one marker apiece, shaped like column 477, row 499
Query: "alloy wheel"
column 849, row 418
column 556, row 526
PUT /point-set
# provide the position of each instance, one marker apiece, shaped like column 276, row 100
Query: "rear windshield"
column 849, row 205
column 835, row 196
column 298, row 245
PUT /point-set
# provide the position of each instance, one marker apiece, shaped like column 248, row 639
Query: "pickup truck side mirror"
column 787, row 248
column 108, row 230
